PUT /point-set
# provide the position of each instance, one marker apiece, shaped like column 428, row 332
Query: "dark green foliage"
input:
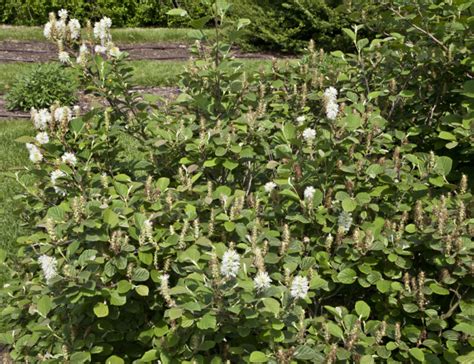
column 41, row 87
column 122, row 13
column 287, row 25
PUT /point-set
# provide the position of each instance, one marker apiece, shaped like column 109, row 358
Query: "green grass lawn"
column 13, row 157
column 119, row 35
column 146, row 73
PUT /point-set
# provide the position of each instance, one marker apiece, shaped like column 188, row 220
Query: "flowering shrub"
column 258, row 218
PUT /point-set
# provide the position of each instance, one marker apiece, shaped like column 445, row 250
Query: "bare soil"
column 27, row 51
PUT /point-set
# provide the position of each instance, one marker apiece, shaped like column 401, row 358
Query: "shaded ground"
column 28, row 51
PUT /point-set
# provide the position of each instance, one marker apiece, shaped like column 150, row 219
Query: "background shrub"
column 42, row 86
column 123, row 13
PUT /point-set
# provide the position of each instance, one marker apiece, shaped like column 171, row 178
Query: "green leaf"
column 447, row 136
column 242, row 23
column 362, row 309
column 80, row 357
column 258, row 357
column 114, row 359
column 208, row 321
column 3, row 255
column 101, row 310
column 142, row 290
column 444, row 164
column 349, row 204
column 350, row 33
column 271, row 305
column 56, row 213
column 175, row 313
column 417, row 354
column 464, row 327
column 177, row 12
column 111, row 218
column 163, row 183
column 437, row 289
column 347, row 276
column 304, row 352
column 335, row 330
column 367, row 359
column 140, row 275
column 150, row 355
column 44, row 305
column 230, row 165
column 289, row 131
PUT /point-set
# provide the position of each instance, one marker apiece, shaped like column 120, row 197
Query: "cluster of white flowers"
column 299, row 287
column 56, row 174
column 345, row 220
column 35, row 154
column 309, row 193
column 330, row 99
column 69, row 158
column 309, row 135
column 56, row 29
column 62, row 113
column 83, row 53
column 230, row 263
column 269, row 187
column 301, row 119
column 48, row 265
column 262, row 281
column 40, row 118
column 42, row 137
column 64, row 57
column 74, row 28
column 102, row 30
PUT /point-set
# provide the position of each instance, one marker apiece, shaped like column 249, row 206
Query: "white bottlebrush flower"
column 309, row 193
column 47, row 30
column 301, row 119
column 332, row 109
column 330, row 93
column 230, row 263
column 309, row 134
column 60, row 27
column 100, row 49
column 262, row 281
column 83, row 49
column 69, row 158
column 62, row 14
column 42, row 137
column 48, row 265
column 299, row 287
column 56, row 174
column 74, row 28
column 40, row 118
column 35, row 153
column 345, row 220
column 102, row 30
column 269, row 187
column 64, row 57
column 62, row 114
column 330, row 101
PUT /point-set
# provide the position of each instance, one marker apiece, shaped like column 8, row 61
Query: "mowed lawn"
column 146, row 73
column 119, row 35
column 13, row 158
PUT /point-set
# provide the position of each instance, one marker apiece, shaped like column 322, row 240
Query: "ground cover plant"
column 276, row 217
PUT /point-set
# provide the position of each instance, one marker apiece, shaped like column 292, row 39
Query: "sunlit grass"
column 120, row 35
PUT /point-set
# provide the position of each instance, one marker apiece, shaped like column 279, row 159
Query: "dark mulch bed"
column 36, row 51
